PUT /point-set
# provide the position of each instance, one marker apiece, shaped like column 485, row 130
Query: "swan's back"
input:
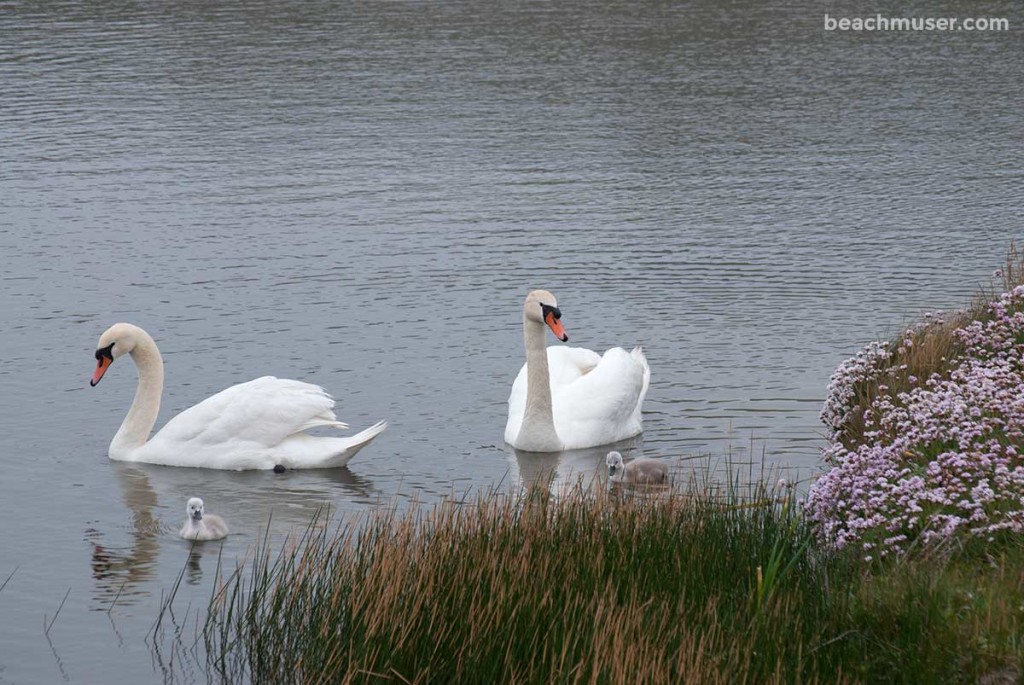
column 646, row 471
column 596, row 399
column 604, row 405
column 215, row 527
column 264, row 411
column 254, row 425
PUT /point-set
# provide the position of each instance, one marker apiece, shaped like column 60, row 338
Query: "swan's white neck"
column 141, row 418
column 537, row 433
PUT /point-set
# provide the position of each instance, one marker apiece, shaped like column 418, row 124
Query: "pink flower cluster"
column 869, row 365
column 943, row 459
column 872, row 365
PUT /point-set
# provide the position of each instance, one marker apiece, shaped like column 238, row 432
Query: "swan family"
column 563, row 398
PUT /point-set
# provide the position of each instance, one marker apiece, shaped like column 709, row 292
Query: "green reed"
column 699, row 584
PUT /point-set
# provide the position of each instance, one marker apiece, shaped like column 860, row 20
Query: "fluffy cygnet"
column 637, row 471
column 200, row 526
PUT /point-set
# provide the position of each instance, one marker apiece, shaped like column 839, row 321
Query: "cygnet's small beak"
column 197, row 515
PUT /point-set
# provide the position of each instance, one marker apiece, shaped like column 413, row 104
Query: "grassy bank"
column 594, row 588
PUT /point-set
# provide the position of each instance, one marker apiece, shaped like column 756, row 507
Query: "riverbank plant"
column 679, row 587
column 926, row 432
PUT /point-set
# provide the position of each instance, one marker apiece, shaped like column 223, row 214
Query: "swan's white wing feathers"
column 596, row 399
column 603, row 406
column 638, row 356
column 565, row 365
column 263, row 412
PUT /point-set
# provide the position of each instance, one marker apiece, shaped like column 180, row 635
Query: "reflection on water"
column 254, row 499
column 193, row 565
column 555, row 472
column 118, row 572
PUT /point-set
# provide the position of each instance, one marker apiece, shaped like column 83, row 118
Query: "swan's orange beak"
column 556, row 327
column 102, row 364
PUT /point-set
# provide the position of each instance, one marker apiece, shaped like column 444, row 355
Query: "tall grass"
column 673, row 587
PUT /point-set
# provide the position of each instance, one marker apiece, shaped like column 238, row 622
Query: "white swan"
column 200, row 526
column 636, row 471
column 256, row 425
column 568, row 397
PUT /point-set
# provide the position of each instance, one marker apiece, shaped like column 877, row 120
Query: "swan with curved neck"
column 256, row 425
column 570, row 397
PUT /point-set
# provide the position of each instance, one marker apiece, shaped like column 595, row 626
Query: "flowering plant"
column 921, row 454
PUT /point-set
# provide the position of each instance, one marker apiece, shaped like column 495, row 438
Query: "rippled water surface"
column 360, row 195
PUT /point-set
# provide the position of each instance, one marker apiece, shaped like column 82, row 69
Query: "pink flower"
column 940, row 459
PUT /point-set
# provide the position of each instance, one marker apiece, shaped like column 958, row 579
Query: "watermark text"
column 883, row 23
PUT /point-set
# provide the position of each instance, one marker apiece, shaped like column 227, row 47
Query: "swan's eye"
column 548, row 309
column 107, row 352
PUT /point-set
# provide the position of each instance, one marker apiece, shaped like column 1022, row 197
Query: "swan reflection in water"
column 119, row 572
column 253, row 499
column 559, row 470
column 193, row 568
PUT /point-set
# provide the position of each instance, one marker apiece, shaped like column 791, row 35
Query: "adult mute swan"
column 200, row 526
column 256, row 425
column 569, row 397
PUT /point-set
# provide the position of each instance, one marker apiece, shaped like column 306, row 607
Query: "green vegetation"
column 670, row 587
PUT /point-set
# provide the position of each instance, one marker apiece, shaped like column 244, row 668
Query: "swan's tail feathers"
column 364, row 437
column 321, row 423
column 325, row 419
column 355, row 443
column 304, row 451
column 638, row 354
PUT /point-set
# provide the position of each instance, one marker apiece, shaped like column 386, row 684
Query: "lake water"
column 360, row 195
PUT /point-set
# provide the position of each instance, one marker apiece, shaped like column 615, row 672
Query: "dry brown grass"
column 587, row 588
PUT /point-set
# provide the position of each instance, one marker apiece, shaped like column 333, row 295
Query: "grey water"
column 359, row 195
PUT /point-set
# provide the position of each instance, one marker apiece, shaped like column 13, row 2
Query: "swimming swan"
column 200, row 526
column 636, row 471
column 256, row 425
column 569, row 397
